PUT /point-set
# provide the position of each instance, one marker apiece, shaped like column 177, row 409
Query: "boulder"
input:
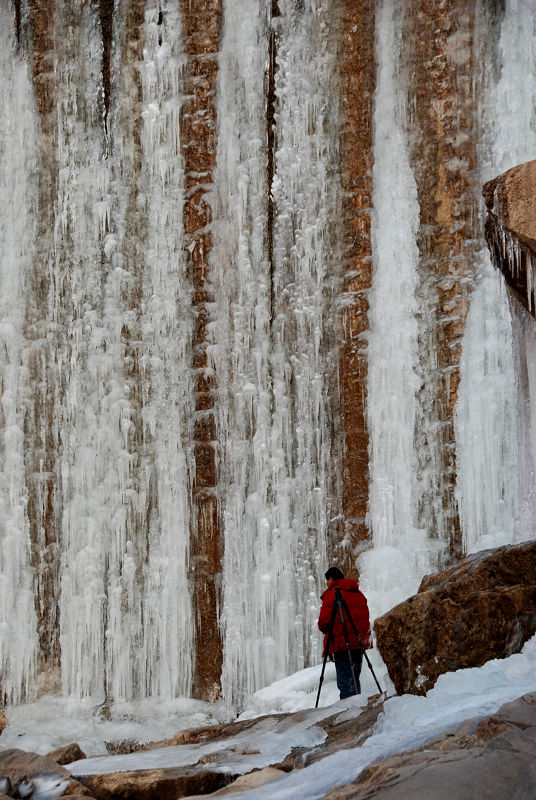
column 482, row 608
column 20, row 766
column 166, row 784
column 511, row 229
column 491, row 758
column 3, row 721
column 67, row 754
column 511, row 198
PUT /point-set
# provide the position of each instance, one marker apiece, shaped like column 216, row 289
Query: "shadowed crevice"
column 17, row 21
column 270, row 142
column 106, row 12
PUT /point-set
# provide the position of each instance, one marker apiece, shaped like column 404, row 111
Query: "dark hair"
column 335, row 573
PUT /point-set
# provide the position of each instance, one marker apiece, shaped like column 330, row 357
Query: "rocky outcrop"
column 3, row 721
column 438, row 57
column 482, row 608
column 511, row 229
column 357, row 88
column 492, row 758
column 201, row 28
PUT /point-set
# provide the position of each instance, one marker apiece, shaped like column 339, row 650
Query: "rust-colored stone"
column 511, row 228
column 67, row 754
column 482, row 608
column 438, row 48
column 147, row 784
column 511, row 198
column 201, row 29
column 358, row 69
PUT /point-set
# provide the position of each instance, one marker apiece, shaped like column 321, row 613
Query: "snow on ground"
column 407, row 722
column 268, row 742
column 410, row 721
column 55, row 721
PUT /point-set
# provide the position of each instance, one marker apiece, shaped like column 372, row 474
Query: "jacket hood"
column 346, row 584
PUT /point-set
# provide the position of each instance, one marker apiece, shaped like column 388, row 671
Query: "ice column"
column 18, row 636
column 401, row 554
column 241, row 335
column 487, row 411
column 524, row 333
column 95, row 463
column 126, row 613
column 305, row 323
column 486, row 425
column 167, row 388
column 272, row 311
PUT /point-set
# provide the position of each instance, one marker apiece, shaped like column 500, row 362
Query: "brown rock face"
column 67, row 754
column 201, row 26
column 438, row 40
column 482, row 608
column 357, row 86
column 511, row 229
column 495, row 760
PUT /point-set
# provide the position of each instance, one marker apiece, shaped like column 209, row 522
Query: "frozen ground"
column 54, row 721
column 407, row 722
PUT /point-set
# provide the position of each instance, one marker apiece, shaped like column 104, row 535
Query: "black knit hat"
column 335, row 573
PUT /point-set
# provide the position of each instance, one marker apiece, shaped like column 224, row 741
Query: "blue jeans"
column 345, row 683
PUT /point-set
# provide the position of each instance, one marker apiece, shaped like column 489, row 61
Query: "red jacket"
column 358, row 608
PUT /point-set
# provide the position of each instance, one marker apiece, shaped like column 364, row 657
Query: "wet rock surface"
column 482, row 608
column 491, row 758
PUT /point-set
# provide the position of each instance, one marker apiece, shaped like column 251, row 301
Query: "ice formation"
column 96, row 330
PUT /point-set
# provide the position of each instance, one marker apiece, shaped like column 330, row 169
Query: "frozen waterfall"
column 102, row 320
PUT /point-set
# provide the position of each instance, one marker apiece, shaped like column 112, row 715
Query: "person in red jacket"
column 356, row 603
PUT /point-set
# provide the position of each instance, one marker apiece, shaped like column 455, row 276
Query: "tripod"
column 340, row 604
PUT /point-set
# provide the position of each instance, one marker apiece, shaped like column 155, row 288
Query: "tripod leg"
column 321, row 680
column 340, row 601
column 363, row 648
column 328, row 642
